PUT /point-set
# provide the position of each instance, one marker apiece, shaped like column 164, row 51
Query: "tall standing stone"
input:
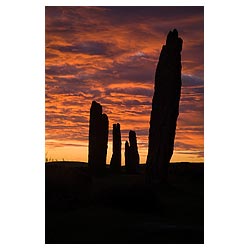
column 115, row 164
column 132, row 158
column 165, row 107
column 98, row 139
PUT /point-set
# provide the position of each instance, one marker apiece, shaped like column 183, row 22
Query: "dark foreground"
column 122, row 208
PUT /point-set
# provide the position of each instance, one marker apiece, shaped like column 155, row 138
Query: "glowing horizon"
column 109, row 54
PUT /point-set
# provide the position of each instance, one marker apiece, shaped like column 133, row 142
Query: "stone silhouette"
column 115, row 163
column 132, row 158
column 165, row 108
column 98, row 139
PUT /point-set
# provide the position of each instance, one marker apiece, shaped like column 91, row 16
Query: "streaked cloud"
column 109, row 54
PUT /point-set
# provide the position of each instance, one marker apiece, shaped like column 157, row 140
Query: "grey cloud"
column 90, row 48
column 191, row 80
column 131, row 91
column 62, row 70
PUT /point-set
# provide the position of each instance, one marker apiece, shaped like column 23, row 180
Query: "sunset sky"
column 109, row 54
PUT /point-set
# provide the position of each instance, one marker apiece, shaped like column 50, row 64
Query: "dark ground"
column 122, row 208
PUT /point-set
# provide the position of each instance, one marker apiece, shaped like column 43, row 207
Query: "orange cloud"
column 98, row 53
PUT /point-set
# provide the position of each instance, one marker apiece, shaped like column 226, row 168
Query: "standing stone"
column 98, row 139
column 165, row 108
column 132, row 158
column 115, row 164
column 126, row 156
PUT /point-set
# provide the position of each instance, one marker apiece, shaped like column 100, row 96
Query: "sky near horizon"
column 109, row 54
